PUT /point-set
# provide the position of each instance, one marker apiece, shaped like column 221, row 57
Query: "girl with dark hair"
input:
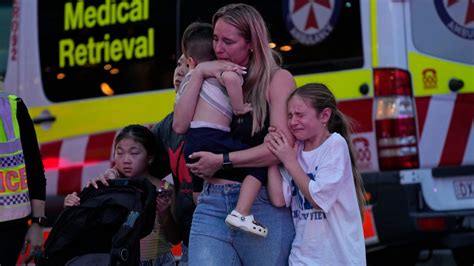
column 134, row 152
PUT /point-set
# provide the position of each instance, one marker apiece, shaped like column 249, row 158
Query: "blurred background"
column 403, row 70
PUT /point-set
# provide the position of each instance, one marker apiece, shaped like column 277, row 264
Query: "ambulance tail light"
column 431, row 224
column 395, row 123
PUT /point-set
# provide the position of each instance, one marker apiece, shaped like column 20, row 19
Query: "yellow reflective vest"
column 14, row 197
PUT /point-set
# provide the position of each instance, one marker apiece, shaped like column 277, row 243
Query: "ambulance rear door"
column 440, row 44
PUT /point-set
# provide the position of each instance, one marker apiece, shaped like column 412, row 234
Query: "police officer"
column 22, row 182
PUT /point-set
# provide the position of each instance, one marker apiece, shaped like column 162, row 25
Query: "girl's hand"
column 163, row 203
column 214, row 69
column 109, row 174
column 271, row 135
column 207, row 164
column 278, row 143
column 72, row 200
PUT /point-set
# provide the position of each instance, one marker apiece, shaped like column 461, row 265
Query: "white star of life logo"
column 309, row 21
column 461, row 11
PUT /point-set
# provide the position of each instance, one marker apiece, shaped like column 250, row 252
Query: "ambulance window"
column 5, row 17
column 94, row 48
column 335, row 45
column 443, row 29
column 311, row 38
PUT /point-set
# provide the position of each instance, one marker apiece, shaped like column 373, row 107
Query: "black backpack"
column 105, row 229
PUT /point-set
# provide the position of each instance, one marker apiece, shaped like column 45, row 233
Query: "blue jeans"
column 212, row 242
column 184, row 256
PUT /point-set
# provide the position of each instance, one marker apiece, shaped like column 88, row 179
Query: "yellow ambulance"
column 402, row 69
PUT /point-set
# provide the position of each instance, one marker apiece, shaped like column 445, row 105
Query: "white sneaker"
column 245, row 223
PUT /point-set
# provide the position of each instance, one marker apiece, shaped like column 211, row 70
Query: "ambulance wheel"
column 463, row 256
column 399, row 255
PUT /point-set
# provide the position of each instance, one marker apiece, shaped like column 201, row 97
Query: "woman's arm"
column 281, row 86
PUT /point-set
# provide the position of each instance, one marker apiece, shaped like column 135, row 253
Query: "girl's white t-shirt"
column 333, row 235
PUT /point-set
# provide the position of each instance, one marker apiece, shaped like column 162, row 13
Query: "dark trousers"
column 218, row 141
column 12, row 237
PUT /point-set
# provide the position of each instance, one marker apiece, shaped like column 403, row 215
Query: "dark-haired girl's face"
column 229, row 45
column 131, row 158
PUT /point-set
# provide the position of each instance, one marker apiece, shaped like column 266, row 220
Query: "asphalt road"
column 440, row 257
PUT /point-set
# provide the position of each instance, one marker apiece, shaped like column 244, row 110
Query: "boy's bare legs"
column 275, row 186
column 241, row 216
column 248, row 192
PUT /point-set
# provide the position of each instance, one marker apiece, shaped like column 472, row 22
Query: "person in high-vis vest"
column 22, row 183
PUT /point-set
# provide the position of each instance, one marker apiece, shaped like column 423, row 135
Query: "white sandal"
column 246, row 223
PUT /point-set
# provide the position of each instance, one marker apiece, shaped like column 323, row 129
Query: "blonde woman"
column 240, row 43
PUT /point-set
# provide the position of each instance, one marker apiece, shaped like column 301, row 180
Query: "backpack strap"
column 121, row 242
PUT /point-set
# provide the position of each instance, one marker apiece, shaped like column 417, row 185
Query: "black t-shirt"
column 170, row 159
column 241, row 129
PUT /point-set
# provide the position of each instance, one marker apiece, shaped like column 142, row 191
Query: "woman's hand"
column 207, row 164
column 109, row 174
column 214, row 69
column 72, row 200
column 279, row 144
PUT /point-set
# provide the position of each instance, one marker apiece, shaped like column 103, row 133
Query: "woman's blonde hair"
column 262, row 63
column 320, row 98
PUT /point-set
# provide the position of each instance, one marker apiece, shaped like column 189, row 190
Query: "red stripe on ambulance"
column 72, row 158
column 459, row 130
column 360, row 111
column 99, row 147
column 69, row 179
column 422, row 104
column 50, row 154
